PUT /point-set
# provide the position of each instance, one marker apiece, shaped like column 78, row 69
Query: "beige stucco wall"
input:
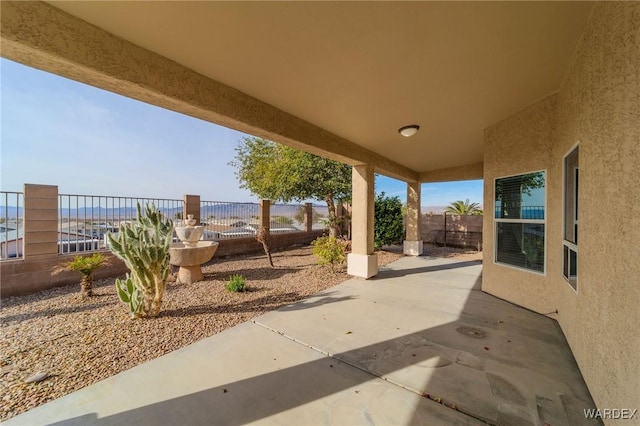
column 521, row 144
column 598, row 106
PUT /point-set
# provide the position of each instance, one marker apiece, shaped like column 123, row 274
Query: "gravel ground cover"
column 77, row 342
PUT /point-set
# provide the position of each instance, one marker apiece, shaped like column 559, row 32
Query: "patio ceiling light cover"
column 408, row 131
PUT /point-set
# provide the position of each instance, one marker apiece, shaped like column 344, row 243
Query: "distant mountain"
column 11, row 212
column 432, row 209
column 219, row 211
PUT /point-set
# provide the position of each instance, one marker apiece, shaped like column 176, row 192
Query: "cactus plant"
column 143, row 245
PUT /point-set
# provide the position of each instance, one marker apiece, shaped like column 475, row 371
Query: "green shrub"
column 236, row 283
column 388, row 227
column 330, row 251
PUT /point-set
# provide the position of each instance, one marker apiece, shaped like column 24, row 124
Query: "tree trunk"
column 334, row 226
column 86, row 286
column 263, row 237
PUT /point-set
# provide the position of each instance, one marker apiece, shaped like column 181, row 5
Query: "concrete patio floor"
column 401, row 348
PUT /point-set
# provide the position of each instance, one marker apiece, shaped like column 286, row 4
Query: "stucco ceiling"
column 361, row 70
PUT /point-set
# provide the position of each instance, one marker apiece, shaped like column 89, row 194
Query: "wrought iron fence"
column 11, row 225
column 226, row 220
column 84, row 220
column 291, row 217
column 287, row 218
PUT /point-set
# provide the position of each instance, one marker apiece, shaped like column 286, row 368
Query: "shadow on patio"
column 385, row 352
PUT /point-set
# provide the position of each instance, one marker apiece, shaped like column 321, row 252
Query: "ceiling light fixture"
column 408, row 131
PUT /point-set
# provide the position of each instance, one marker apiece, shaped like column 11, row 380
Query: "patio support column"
column 362, row 261
column 413, row 245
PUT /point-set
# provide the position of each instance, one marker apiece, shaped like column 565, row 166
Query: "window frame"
column 570, row 245
column 533, row 221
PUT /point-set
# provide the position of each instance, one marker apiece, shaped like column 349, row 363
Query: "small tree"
column 280, row 173
column 264, row 238
column 85, row 266
column 388, row 226
column 464, row 208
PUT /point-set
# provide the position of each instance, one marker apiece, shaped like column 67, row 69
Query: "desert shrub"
column 236, row 284
column 330, row 251
column 388, row 227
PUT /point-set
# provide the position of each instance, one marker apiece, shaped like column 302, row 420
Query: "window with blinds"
column 570, row 243
column 520, row 221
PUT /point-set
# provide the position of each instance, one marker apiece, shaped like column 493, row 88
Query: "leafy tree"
column 279, row 173
column 388, row 226
column 464, row 208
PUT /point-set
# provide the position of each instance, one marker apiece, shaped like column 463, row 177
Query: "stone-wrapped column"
column 362, row 261
column 413, row 244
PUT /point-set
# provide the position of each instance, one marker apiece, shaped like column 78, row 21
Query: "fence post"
column 40, row 221
column 308, row 217
column 192, row 206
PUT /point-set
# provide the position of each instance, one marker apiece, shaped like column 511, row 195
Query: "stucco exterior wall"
column 598, row 106
column 518, row 145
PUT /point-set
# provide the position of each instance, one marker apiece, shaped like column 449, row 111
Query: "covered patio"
column 418, row 344
column 502, row 91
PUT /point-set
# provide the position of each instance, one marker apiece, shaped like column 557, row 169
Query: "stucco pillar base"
column 413, row 248
column 189, row 274
column 362, row 265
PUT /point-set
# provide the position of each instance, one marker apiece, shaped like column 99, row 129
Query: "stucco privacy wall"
column 598, row 106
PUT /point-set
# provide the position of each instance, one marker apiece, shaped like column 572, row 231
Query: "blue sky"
column 89, row 141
